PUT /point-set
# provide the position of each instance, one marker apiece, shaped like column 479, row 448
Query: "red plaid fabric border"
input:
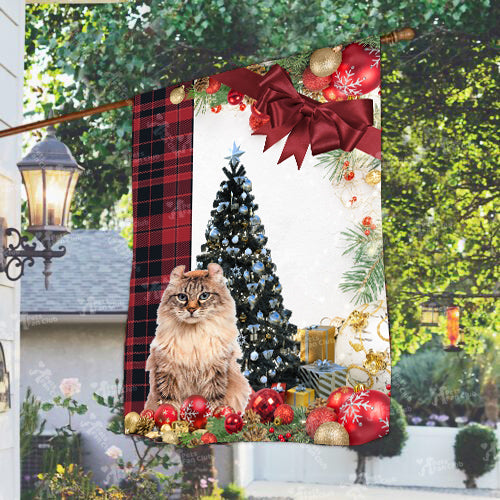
column 162, row 171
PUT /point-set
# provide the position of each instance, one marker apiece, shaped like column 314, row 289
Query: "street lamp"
column 50, row 174
column 453, row 328
column 430, row 314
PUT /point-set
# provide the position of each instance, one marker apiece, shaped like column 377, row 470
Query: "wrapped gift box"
column 323, row 376
column 317, row 342
column 299, row 396
column 279, row 387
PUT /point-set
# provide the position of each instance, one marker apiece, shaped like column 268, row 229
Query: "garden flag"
column 257, row 296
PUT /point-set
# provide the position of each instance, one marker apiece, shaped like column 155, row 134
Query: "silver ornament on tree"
column 263, row 379
column 254, row 355
column 247, row 185
column 258, row 267
column 214, row 234
column 243, row 209
column 274, row 318
column 235, row 239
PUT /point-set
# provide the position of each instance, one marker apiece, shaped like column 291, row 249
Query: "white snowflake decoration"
column 384, row 429
column 189, row 414
column 375, row 53
column 347, row 83
column 351, row 409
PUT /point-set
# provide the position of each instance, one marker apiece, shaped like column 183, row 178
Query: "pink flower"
column 203, row 483
column 70, row 387
column 114, row 452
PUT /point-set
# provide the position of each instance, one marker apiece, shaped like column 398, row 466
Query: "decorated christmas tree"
column 236, row 240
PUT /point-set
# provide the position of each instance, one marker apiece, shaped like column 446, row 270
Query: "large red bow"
column 324, row 126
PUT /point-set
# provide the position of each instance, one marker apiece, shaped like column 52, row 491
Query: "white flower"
column 70, row 386
column 114, row 452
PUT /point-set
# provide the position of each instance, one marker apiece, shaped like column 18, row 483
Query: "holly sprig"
column 204, row 101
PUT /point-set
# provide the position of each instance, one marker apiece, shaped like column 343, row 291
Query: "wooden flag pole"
column 393, row 37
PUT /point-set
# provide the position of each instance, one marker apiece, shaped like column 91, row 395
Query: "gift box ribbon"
column 323, row 126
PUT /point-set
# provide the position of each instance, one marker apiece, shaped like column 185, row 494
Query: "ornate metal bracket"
column 16, row 257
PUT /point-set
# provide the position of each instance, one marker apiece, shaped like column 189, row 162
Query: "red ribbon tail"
column 297, row 143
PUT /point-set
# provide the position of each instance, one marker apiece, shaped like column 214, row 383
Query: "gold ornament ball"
column 331, row 433
column 153, row 435
column 325, row 61
column 177, row 95
column 374, row 177
column 165, row 428
column 131, row 421
column 170, row 437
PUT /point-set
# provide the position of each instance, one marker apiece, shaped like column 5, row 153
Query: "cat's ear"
column 177, row 273
column 215, row 271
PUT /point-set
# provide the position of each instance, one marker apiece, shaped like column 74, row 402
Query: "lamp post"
column 453, row 328
column 50, row 173
column 430, row 314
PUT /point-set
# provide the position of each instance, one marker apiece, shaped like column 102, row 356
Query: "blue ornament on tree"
column 252, row 299
column 235, row 239
column 214, row 234
column 247, row 185
column 274, row 318
column 225, row 242
column 243, row 210
column 260, row 316
column 258, row 267
column 248, row 251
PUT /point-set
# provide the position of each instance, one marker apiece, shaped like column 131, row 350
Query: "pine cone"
column 201, row 84
column 318, row 402
column 255, row 433
column 257, row 68
column 251, row 417
column 145, row 425
column 195, row 442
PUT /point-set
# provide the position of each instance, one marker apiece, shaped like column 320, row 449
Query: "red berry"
column 271, row 429
column 373, row 226
column 354, row 198
column 349, row 176
column 281, row 436
column 367, row 221
column 367, row 232
column 243, row 107
column 234, row 97
column 346, row 163
column 388, row 387
column 288, row 435
column 216, row 109
column 389, row 393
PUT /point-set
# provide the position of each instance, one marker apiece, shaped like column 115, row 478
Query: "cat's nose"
column 191, row 309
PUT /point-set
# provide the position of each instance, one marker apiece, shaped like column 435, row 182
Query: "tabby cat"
column 195, row 349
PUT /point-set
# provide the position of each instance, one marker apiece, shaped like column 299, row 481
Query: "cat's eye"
column 182, row 297
column 204, row 296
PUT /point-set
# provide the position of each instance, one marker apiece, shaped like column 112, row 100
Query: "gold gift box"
column 317, row 342
column 299, row 396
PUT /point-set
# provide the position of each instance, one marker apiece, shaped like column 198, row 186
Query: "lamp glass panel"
column 34, row 191
column 69, row 199
column 56, row 191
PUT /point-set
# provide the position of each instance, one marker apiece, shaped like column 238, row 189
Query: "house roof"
column 92, row 278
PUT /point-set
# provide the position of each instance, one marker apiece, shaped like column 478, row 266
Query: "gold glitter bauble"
column 268, row 336
column 325, row 61
column 165, row 428
column 170, row 437
column 359, row 388
column 373, row 177
column 331, row 433
column 153, row 435
column 131, row 421
column 180, row 426
column 199, row 432
column 375, row 362
column 242, row 317
column 177, row 95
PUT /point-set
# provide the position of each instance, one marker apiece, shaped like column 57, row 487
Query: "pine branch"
column 370, row 41
column 203, row 101
column 334, row 162
column 295, row 65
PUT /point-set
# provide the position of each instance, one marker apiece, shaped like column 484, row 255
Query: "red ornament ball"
column 285, row 413
column 332, row 93
column 257, row 121
column 234, row 97
column 271, row 429
column 338, row 397
column 216, row 109
column 367, row 232
column 148, row 414
column 314, row 83
column 165, row 414
column 213, row 86
column 349, row 176
column 359, row 71
column 233, row 423
column 317, row 417
column 264, row 402
column 195, row 410
column 367, row 221
column 208, row 438
column 388, row 387
column 288, row 435
column 222, row 411
column 365, row 416
column 243, row 107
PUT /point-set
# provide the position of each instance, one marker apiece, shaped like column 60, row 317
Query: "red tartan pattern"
column 162, row 171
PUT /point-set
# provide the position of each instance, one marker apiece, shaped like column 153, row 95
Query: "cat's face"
column 196, row 296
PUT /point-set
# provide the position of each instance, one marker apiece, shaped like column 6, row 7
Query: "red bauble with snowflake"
column 359, row 72
column 233, row 423
column 338, row 397
column 165, row 414
column 365, row 416
column 317, row 417
column 195, row 411
column 148, row 414
column 285, row 413
column 234, row 97
column 314, row 83
column 264, row 403
column 222, row 411
column 213, row 86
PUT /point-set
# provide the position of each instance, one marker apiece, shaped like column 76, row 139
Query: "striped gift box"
column 323, row 376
